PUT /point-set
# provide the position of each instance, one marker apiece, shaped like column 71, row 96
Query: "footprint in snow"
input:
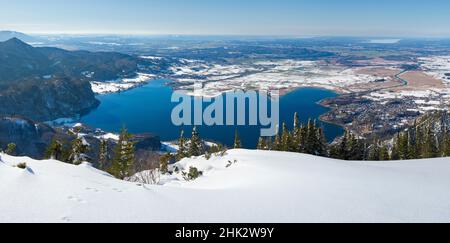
column 76, row 199
column 66, row 219
column 91, row 189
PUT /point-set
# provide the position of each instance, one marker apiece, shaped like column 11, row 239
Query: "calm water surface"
column 148, row 109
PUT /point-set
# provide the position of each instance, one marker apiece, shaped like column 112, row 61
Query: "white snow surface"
column 262, row 186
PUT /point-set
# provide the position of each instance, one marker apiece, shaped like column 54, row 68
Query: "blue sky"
column 230, row 17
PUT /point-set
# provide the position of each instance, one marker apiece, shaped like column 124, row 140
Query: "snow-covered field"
column 268, row 75
column 257, row 186
column 121, row 84
column 437, row 66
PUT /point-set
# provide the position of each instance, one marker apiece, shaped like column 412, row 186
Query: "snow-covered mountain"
column 242, row 186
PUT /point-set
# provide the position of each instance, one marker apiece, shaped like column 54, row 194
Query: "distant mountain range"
column 48, row 83
column 7, row 35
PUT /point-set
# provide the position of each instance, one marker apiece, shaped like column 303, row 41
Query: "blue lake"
column 148, row 109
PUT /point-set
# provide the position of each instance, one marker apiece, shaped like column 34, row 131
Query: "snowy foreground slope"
column 261, row 187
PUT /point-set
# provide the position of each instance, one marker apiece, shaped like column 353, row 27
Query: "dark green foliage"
column 164, row 162
column 123, row 156
column 182, row 149
column 54, row 150
column 384, row 153
column 196, row 147
column 11, row 149
column 237, row 140
column 77, row 151
column 262, row 144
column 425, row 139
column 429, row 147
column 193, row 174
column 445, row 148
column 277, row 145
column 285, row 139
column 103, row 154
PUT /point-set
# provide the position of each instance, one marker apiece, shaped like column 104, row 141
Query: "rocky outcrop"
column 31, row 138
column 49, row 100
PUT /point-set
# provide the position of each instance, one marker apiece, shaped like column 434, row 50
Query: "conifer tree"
column 403, row 146
column 343, row 147
column 384, row 153
column 429, row 146
column 77, row 150
column 321, row 143
column 419, row 142
column 445, row 151
column 303, row 138
column 196, row 144
column 54, row 150
column 11, row 149
column 374, row 154
column 237, row 140
column 182, row 149
column 334, row 151
column 262, row 144
column 311, row 139
column 285, row 139
column 353, row 148
column 164, row 163
column 103, row 154
column 395, row 154
column 296, row 134
column 123, row 159
column 277, row 146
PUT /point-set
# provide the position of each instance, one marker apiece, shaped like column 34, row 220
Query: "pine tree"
column 403, row 146
column 77, row 150
column 302, row 139
column 296, row 135
column 164, row 163
column 277, row 146
column 237, row 140
column 54, row 150
column 311, row 142
column 353, row 148
column 384, row 153
column 374, row 154
column 196, row 144
column 262, row 144
column 334, row 151
column 321, row 143
column 103, row 154
column 419, row 142
column 343, row 147
column 11, row 149
column 430, row 147
column 395, row 154
column 182, row 149
column 123, row 159
column 285, row 139
column 445, row 151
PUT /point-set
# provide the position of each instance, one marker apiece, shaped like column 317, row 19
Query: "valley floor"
column 258, row 186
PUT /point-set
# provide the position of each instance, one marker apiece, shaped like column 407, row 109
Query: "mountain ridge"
column 46, row 83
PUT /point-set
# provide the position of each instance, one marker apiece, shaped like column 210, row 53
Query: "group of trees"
column 309, row 139
column 74, row 153
column 424, row 140
column 10, row 149
column 190, row 147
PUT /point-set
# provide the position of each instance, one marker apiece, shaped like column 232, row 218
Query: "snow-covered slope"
column 260, row 187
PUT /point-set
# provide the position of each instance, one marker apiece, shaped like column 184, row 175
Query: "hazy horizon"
column 266, row 18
